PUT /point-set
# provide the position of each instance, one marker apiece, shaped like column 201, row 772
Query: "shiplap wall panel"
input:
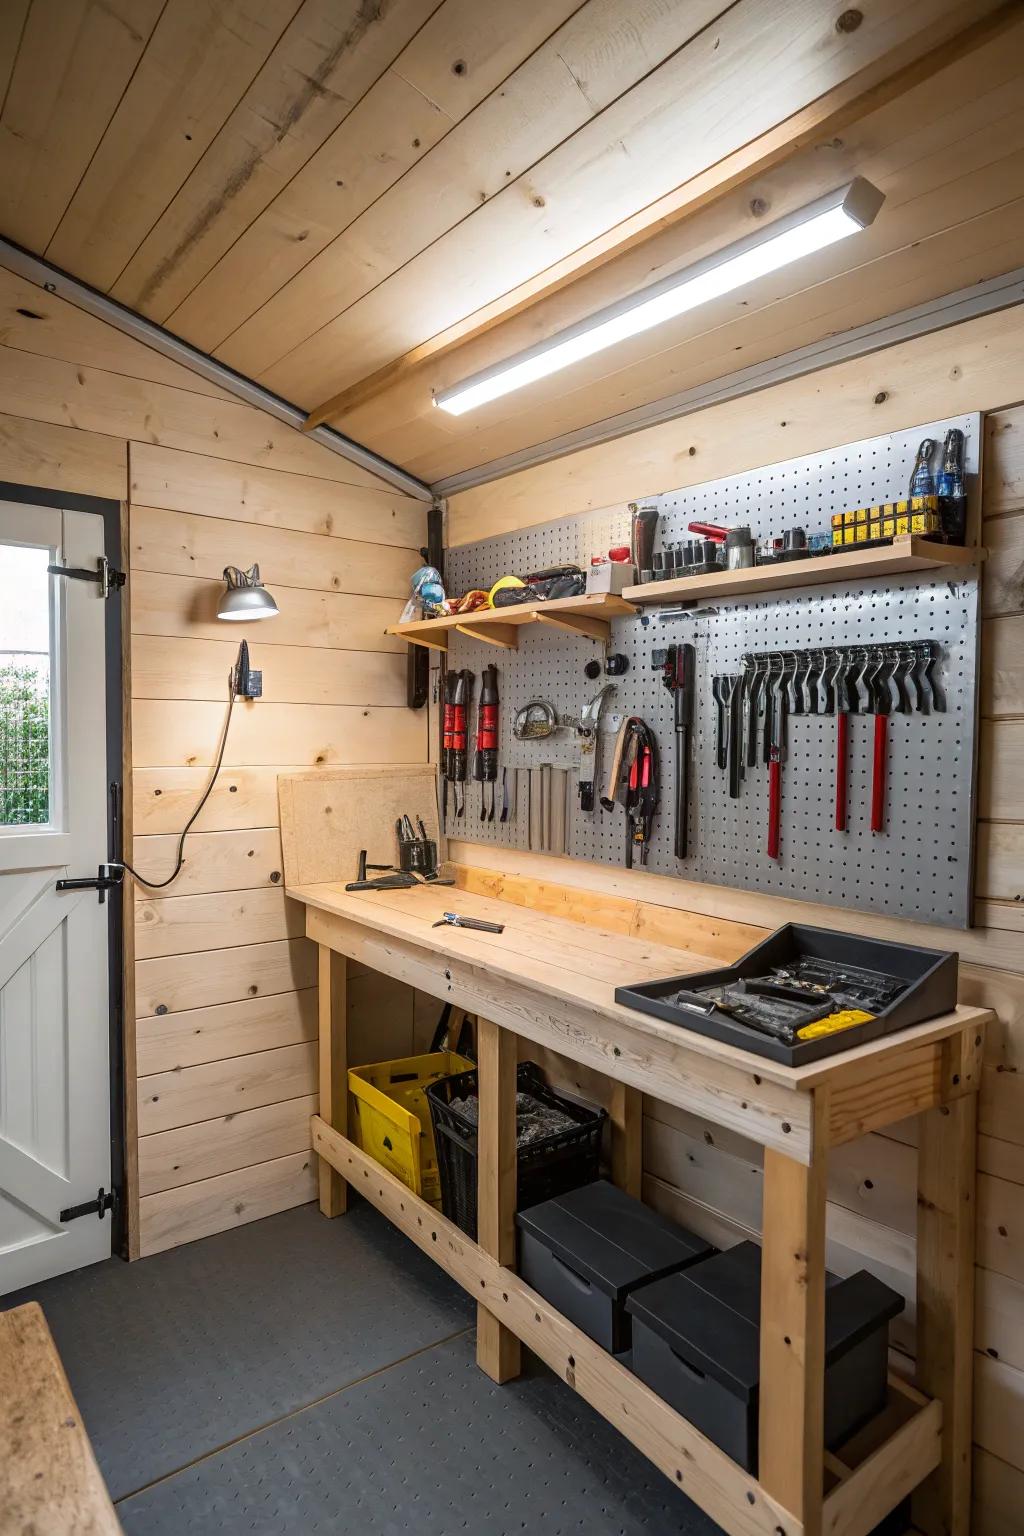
column 180, row 925
column 211, row 487
column 32, row 320
column 186, row 606
column 63, row 459
column 167, row 1042
column 181, row 1215
column 225, row 983
column 182, row 544
column 132, row 409
column 185, row 732
column 214, row 861
column 168, row 1159
column 292, row 674
column 194, row 1094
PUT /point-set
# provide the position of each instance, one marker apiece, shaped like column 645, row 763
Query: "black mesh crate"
column 544, row 1168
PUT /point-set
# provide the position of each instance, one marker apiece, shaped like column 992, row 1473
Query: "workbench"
column 551, row 982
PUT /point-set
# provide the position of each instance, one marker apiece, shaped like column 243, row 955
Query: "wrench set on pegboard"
column 862, row 692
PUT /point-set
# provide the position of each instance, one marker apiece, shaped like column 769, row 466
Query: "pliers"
column 453, row 920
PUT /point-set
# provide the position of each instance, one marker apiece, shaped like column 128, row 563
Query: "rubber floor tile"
column 430, row 1447
column 175, row 1355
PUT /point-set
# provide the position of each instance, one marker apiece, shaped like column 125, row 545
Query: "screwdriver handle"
column 878, row 774
column 842, row 740
column 774, row 806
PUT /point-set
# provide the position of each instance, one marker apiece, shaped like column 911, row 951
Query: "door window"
column 26, row 737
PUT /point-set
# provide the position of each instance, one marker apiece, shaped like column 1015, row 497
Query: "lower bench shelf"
column 868, row 1479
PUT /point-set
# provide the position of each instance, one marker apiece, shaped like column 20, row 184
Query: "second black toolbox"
column 697, row 1343
column 586, row 1250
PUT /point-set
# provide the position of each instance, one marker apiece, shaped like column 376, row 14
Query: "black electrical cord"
column 158, row 885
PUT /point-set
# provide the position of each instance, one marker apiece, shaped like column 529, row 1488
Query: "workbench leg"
column 332, row 1004
column 497, row 1350
column 626, row 1116
column 792, row 1391
column 945, row 1305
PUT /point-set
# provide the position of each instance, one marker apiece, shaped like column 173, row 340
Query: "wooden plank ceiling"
column 375, row 198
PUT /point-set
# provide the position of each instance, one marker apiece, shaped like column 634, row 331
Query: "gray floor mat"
column 430, row 1447
column 180, row 1353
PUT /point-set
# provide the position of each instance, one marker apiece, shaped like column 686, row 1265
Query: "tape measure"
column 833, row 1023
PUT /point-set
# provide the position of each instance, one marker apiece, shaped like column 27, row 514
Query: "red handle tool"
column 878, row 774
column 774, row 806
column 842, row 739
column 713, row 531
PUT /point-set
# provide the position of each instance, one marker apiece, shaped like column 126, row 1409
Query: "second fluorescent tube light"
column 810, row 229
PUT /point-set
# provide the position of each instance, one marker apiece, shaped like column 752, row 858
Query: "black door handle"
column 106, row 878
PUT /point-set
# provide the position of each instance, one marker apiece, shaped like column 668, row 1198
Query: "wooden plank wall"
column 225, row 1000
column 710, row 1179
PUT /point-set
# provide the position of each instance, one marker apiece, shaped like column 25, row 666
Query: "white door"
column 54, row 1023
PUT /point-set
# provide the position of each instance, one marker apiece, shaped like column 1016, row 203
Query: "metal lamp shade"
column 245, row 597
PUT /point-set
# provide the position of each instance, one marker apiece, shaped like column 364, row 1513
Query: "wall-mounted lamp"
column 245, row 597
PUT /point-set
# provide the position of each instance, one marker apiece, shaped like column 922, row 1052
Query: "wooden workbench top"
column 557, row 958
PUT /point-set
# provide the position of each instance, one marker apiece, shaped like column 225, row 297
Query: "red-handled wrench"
column 881, row 704
column 776, row 758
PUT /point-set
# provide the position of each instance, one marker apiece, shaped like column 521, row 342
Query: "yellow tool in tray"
column 833, row 1023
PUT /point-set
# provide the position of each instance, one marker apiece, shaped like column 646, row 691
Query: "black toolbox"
column 584, row 1251
column 696, row 1342
column 926, row 984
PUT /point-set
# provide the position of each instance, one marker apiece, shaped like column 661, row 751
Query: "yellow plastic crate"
column 392, row 1116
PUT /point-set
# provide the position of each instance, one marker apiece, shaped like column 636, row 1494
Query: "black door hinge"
column 105, row 1201
column 107, row 878
column 108, row 577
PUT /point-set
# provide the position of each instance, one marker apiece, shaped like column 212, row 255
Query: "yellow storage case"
column 392, row 1117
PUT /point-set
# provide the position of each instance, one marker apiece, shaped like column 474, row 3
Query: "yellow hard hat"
column 500, row 584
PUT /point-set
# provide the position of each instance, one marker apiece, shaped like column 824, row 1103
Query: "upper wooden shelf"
column 586, row 616
column 908, row 552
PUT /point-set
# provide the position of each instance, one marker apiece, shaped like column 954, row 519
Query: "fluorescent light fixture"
column 810, row 229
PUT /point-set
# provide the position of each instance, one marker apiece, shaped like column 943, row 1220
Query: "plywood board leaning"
column 327, row 817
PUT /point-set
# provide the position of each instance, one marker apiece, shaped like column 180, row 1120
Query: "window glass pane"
column 24, row 686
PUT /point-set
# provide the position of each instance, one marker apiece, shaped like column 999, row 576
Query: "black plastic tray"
column 931, row 976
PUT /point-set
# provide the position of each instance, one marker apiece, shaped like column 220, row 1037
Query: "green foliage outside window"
column 24, row 746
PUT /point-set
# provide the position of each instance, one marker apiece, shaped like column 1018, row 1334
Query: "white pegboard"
column 921, row 866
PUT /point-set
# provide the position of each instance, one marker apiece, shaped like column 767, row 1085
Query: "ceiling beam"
column 848, row 102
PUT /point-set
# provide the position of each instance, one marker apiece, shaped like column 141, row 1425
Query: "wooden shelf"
column 586, row 616
column 909, row 552
column 887, row 1460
